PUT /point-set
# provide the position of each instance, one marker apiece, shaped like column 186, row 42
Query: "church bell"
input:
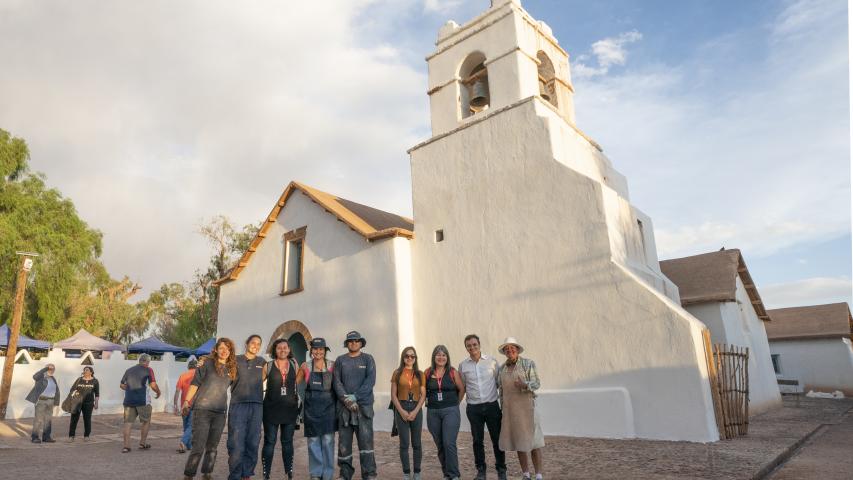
column 479, row 94
column 543, row 91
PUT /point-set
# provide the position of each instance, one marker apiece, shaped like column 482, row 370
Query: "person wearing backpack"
column 281, row 406
column 319, row 412
column 444, row 389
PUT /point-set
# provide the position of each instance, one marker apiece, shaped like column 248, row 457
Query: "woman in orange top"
column 408, row 393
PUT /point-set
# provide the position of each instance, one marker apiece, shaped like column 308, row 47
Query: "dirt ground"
column 773, row 438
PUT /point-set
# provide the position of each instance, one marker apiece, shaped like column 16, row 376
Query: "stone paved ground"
column 772, row 435
column 827, row 456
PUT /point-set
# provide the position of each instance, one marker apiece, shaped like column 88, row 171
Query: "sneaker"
column 406, row 476
column 70, row 439
column 481, row 475
column 36, row 440
column 48, row 440
column 416, row 476
column 501, row 474
column 85, row 439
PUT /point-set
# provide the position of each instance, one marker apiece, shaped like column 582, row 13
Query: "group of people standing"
column 500, row 398
column 273, row 399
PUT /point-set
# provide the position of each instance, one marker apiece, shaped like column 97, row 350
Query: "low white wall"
column 821, row 365
column 107, row 371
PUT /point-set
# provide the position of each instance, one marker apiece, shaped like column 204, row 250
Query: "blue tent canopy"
column 205, row 347
column 155, row 346
column 23, row 340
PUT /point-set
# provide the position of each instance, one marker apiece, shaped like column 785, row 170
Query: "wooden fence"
column 729, row 375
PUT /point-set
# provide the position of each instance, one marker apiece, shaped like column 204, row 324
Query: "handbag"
column 394, row 431
column 73, row 403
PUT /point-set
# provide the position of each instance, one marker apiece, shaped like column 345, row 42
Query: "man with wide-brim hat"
column 521, row 431
column 354, row 379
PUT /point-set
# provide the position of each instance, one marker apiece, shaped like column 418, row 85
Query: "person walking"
column 245, row 413
column 408, row 394
column 208, row 395
column 137, row 402
column 479, row 372
column 319, row 412
column 354, row 379
column 444, row 389
column 281, row 406
column 45, row 397
column 181, row 389
column 520, row 429
column 89, row 390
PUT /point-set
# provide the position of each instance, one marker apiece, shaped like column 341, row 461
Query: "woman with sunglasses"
column 444, row 390
column 408, row 394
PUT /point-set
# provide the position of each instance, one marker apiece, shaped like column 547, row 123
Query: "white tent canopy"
column 83, row 340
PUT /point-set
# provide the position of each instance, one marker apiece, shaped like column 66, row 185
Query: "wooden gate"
column 728, row 372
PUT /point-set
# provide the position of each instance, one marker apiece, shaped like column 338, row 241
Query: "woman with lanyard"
column 444, row 389
column 281, row 406
column 408, row 393
column 90, row 391
column 319, row 412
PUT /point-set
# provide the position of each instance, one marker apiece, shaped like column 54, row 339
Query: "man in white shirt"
column 480, row 374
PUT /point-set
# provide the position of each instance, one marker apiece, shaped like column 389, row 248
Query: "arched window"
column 474, row 95
column 547, row 88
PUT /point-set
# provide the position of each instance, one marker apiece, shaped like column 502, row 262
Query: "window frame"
column 296, row 235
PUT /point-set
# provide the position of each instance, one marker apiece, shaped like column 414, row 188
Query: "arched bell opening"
column 474, row 82
column 547, row 78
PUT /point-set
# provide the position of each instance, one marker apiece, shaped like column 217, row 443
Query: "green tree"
column 34, row 217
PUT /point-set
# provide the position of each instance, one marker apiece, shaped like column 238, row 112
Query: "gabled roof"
column 369, row 222
column 711, row 277
column 832, row 320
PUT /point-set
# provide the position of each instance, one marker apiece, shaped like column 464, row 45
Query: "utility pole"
column 15, row 330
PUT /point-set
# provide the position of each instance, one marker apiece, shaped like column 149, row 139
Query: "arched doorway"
column 297, row 336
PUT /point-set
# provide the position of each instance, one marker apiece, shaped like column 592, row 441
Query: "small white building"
column 717, row 289
column 812, row 346
column 523, row 227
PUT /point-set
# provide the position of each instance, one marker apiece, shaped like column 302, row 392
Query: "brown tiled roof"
column 812, row 322
column 711, row 277
column 369, row 222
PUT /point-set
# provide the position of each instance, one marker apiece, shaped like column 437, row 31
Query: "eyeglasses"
column 410, row 356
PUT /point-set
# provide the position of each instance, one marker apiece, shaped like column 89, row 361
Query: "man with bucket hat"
column 354, row 378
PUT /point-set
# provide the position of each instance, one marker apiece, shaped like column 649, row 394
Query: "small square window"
column 439, row 236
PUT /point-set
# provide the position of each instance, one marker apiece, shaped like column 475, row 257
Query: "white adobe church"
column 522, row 227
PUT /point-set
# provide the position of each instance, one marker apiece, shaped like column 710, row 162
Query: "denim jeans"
column 207, row 430
column 410, row 432
column 187, row 437
column 443, row 424
column 244, row 435
column 270, row 435
column 321, row 456
column 42, row 419
column 486, row 415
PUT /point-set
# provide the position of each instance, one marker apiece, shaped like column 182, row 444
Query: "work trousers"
column 187, row 437
column 410, row 433
column 443, row 424
column 86, row 410
column 364, row 436
column 486, row 415
column 321, row 456
column 207, row 430
column 43, row 418
column 270, row 435
column 244, row 435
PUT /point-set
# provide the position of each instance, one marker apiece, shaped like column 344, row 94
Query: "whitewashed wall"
column 527, row 253
column 736, row 323
column 107, row 371
column 822, row 365
column 350, row 284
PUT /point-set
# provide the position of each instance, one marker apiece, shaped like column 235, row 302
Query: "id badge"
column 439, row 396
column 411, row 397
column 283, row 391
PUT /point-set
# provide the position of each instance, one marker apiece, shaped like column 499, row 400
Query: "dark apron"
column 319, row 407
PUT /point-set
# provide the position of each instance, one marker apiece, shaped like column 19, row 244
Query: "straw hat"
column 510, row 341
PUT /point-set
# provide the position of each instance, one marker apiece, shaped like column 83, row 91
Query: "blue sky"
column 729, row 119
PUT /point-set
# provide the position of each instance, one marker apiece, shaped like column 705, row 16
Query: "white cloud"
column 608, row 52
column 441, row 6
column 810, row 291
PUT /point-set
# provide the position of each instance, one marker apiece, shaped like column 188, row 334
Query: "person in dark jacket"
column 354, row 379
column 319, row 412
column 45, row 397
column 281, row 406
column 208, row 395
column 90, row 391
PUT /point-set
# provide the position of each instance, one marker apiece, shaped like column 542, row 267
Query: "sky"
column 730, row 119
